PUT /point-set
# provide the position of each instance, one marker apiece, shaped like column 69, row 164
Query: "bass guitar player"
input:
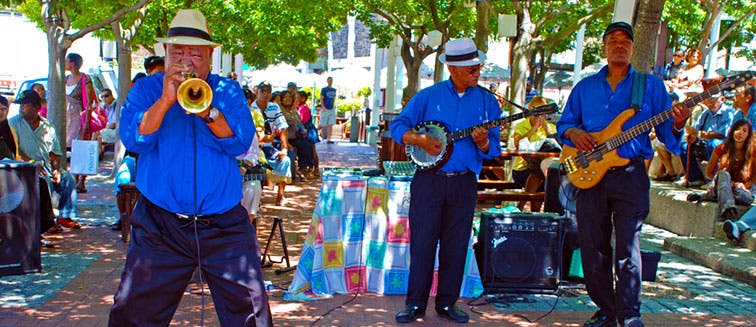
column 619, row 201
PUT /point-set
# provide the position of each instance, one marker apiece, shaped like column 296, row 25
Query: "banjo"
column 426, row 162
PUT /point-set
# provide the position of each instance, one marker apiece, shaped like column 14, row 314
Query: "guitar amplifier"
column 522, row 252
column 19, row 218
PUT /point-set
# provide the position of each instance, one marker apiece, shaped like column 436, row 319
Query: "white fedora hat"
column 188, row 27
column 462, row 52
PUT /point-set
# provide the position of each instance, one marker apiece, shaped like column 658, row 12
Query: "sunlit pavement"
column 81, row 273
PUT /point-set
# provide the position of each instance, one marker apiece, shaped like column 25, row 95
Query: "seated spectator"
column 673, row 68
column 312, row 131
column 107, row 136
column 730, row 168
column 40, row 89
column 708, row 132
column 275, row 129
column 125, row 174
column 137, row 77
column 8, row 138
column 250, row 168
column 735, row 229
column 9, row 150
column 534, row 133
column 302, row 145
column 745, row 101
column 688, row 81
column 667, row 171
column 154, row 64
column 38, row 142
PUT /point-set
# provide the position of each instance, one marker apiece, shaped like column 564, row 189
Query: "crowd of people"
column 712, row 142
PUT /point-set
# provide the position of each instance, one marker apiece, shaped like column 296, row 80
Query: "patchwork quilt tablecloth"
column 358, row 241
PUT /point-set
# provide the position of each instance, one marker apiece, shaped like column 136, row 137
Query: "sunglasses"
column 678, row 56
column 472, row 69
column 104, row 96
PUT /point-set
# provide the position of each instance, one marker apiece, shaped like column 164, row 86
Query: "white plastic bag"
column 84, row 157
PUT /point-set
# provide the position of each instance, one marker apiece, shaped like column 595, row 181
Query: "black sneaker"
column 730, row 213
column 694, row 197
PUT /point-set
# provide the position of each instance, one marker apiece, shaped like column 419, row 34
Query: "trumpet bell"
column 194, row 95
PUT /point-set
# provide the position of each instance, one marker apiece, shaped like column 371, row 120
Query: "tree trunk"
column 124, row 85
column 483, row 14
column 520, row 54
column 412, row 66
column 646, row 27
column 438, row 69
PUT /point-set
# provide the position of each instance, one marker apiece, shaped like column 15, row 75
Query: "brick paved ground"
column 82, row 272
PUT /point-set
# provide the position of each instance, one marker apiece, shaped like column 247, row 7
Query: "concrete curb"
column 720, row 256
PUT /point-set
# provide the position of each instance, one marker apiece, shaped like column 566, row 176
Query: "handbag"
column 312, row 133
column 98, row 118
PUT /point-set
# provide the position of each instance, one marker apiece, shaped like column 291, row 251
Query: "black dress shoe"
column 410, row 314
column 453, row 313
column 600, row 320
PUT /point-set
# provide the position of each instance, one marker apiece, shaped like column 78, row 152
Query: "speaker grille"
column 19, row 218
column 521, row 251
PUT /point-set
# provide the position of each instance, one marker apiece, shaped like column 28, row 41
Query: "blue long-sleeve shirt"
column 593, row 105
column 442, row 103
column 183, row 167
column 718, row 122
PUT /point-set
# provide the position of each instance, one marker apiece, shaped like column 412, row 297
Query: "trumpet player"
column 189, row 215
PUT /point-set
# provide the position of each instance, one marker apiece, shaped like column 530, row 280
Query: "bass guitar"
column 426, row 162
column 586, row 169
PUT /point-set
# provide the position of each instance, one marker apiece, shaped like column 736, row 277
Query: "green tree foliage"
column 411, row 20
column 690, row 23
column 546, row 28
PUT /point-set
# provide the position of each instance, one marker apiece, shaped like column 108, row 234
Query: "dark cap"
column 264, row 84
column 3, row 101
column 619, row 26
column 28, row 96
column 152, row 62
column 291, row 84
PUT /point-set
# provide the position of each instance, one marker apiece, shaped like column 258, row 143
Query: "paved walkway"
column 81, row 273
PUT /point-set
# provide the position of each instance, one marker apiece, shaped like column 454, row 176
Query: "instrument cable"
column 501, row 300
column 196, row 234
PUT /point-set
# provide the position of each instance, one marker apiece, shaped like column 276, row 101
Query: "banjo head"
column 418, row 156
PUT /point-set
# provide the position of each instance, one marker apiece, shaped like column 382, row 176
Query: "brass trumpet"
column 194, row 94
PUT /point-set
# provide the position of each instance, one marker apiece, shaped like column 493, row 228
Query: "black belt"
column 452, row 174
column 203, row 220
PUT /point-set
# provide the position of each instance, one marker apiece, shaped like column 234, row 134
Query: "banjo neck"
column 465, row 132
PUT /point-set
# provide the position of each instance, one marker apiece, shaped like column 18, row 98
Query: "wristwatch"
column 212, row 115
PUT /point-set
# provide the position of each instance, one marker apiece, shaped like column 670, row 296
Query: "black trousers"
column 163, row 255
column 441, row 209
column 620, row 202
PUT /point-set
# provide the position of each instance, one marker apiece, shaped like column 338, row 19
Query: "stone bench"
column 670, row 210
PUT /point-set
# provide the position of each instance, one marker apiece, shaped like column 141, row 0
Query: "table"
column 358, row 241
column 533, row 158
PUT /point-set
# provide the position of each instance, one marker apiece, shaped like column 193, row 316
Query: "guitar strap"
column 638, row 90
